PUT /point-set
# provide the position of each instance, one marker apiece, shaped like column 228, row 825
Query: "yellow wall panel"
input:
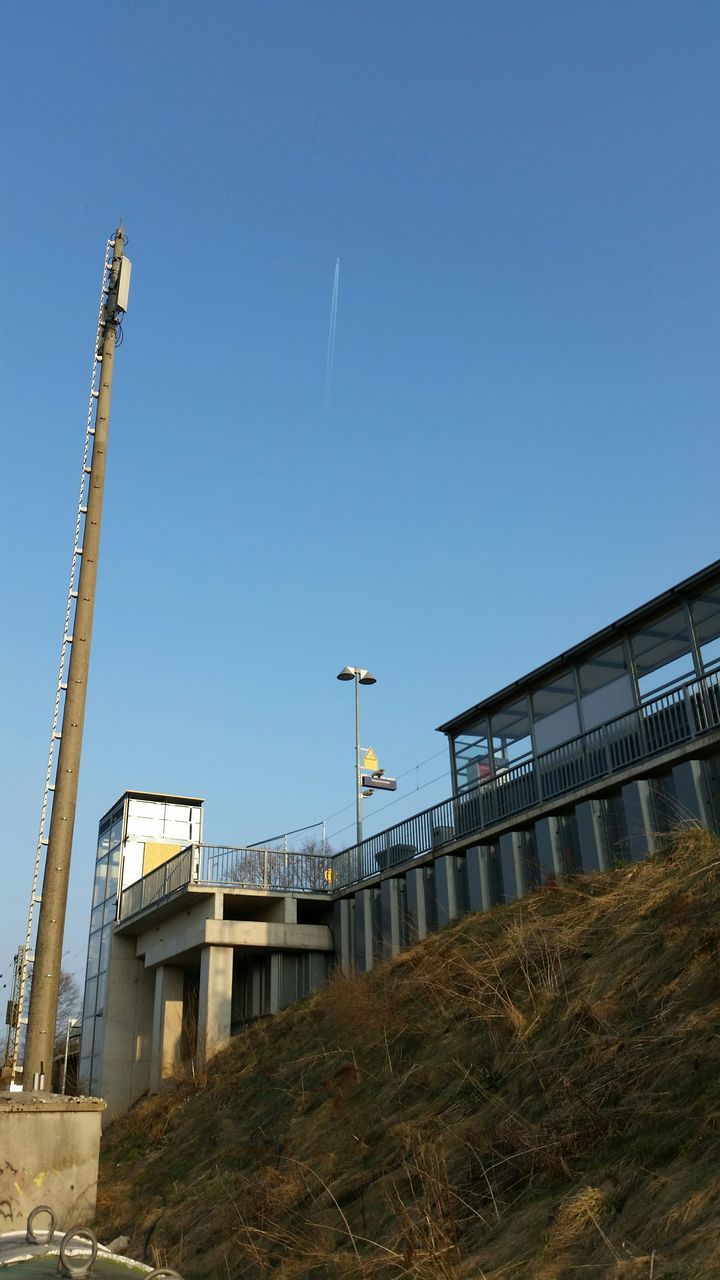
column 156, row 853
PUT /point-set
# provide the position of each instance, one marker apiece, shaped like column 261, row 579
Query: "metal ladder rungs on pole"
column 55, row 736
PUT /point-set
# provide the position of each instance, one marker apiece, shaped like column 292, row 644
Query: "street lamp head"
column 347, row 673
column 366, row 677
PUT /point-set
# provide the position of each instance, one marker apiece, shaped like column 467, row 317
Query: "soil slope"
column 533, row 1092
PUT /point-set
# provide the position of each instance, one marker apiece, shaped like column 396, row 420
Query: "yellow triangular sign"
column 370, row 761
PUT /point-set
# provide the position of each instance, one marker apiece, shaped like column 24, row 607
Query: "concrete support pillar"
column 416, row 904
column 390, row 915
column 343, row 933
column 648, row 814
column 363, row 930
column 519, row 863
column 275, row 963
column 702, row 791
column 556, row 846
column 601, row 843
column 485, row 879
column 477, row 879
column 215, row 1004
column 167, row 1026
column 446, row 890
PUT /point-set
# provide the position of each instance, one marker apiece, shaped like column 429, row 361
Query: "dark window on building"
column 570, row 847
column 495, row 877
column 507, row 868
column 530, row 859
column 613, row 817
column 431, row 905
column 587, row 839
column 543, row 844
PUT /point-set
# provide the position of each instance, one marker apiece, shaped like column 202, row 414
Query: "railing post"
column 539, row 792
column 266, row 877
column 689, row 711
column 196, row 863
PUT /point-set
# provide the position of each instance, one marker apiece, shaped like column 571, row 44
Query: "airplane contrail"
column 330, row 363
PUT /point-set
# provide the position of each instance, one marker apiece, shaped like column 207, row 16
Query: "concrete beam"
column 173, row 938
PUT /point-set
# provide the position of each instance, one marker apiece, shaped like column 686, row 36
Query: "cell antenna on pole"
column 60, row 795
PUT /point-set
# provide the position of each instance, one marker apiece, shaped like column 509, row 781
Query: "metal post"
column 358, row 771
column 72, row 1022
column 51, row 922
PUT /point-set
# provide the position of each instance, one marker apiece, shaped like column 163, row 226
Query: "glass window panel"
column 93, row 955
column 113, row 870
column 96, row 917
column 90, row 995
column 103, row 838
column 663, row 653
column 100, row 880
column 110, row 910
column 605, row 686
column 471, row 750
column 105, row 948
column 555, row 712
column 99, row 1036
column 706, row 621
column 511, row 739
column 116, row 832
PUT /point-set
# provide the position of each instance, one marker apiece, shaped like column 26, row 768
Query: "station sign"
column 379, row 784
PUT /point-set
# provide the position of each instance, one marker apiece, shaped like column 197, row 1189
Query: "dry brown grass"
column 533, row 1093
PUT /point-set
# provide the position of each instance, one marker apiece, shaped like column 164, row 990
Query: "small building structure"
column 187, row 942
column 591, row 758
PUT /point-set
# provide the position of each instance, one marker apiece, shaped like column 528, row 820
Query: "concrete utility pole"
column 51, row 922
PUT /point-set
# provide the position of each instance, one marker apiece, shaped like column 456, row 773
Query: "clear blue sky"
column 522, row 438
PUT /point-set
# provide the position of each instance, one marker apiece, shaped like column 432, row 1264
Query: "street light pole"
column 360, row 676
column 72, row 1022
column 358, row 786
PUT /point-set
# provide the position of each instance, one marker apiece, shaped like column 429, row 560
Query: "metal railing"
column 671, row 718
column 161, row 883
column 263, row 869
column 239, row 868
column 674, row 717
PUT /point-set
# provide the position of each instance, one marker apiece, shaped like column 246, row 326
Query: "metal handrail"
column 234, row 867
column 677, row 715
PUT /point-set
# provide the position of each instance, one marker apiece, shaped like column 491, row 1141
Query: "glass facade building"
column 638, row 660
column 140, row 832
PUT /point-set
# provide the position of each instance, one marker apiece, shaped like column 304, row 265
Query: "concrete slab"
column 49, row 1153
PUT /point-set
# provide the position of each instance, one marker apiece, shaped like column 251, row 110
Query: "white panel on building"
column 133, row 854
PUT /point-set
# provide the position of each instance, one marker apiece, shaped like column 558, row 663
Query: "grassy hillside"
column 533, row 1092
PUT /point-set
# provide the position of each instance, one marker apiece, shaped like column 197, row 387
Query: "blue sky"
column 521, row 441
